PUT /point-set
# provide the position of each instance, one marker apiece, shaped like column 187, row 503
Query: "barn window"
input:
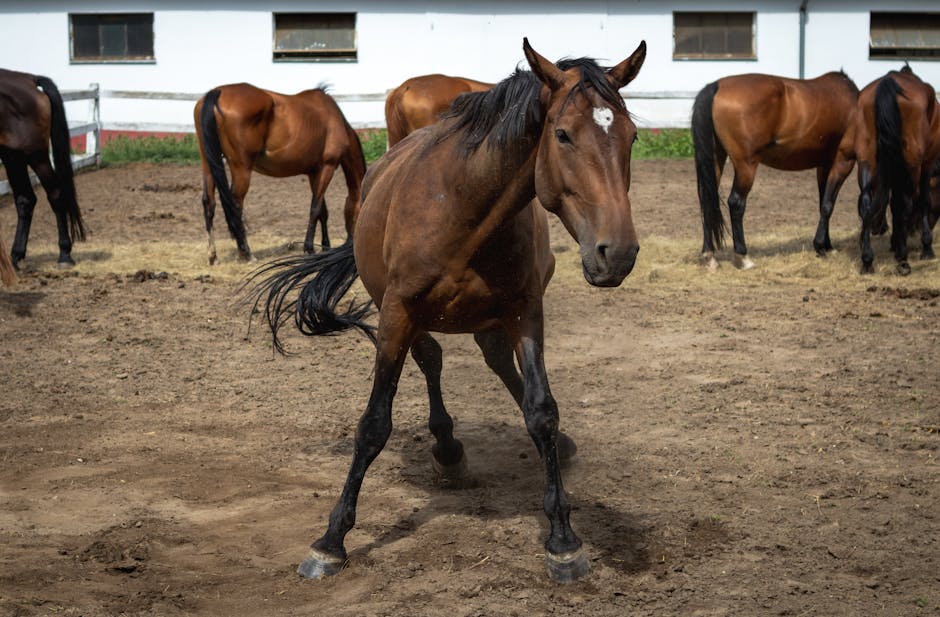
column 904, row 35
column 314, row 36
column 112, row 37
column 713, row 36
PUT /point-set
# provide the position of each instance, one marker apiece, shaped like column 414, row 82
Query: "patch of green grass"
column 663, row 144
column 373, row 143
column 174, row 150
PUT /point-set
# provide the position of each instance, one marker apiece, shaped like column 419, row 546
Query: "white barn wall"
column 197, row 48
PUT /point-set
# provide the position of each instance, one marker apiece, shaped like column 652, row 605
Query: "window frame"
column 123, row 59
column 308, row 55
column 900, row 52
column 722, row 57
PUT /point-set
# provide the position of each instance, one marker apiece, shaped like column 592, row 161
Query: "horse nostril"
column 602, row 253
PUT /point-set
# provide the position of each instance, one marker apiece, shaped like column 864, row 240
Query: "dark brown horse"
column 788, row 124
column 30, row 118
column 448, row 239
column 420, row 101
column 896, row 139
column 278, row 135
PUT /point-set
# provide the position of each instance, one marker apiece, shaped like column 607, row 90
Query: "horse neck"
column 498, row 188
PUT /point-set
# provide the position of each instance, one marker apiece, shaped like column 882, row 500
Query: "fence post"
column 96, row 119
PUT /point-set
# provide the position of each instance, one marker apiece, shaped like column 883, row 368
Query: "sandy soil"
column 750, row 443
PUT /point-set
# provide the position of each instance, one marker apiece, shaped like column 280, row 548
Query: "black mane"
column 509, row 113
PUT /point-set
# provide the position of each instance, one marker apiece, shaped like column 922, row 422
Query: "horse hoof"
column 867, row 269
column 709, row 261
column 927, row 254
column 742, row 262
column 65, row 264
column 320, row 565
column 904, row 268
column 567, row 448
column 567, row 567
column 455, row 475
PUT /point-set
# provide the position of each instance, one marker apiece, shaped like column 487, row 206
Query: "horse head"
column 583, row 161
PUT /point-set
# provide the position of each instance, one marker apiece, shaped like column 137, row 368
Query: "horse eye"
column 562, row 136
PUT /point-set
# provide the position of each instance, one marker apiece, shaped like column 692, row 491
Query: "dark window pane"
column 904, row 35
column 113, row 43
column 140, row 36
column 85, row 42
column 713, row 35
column 315, row 34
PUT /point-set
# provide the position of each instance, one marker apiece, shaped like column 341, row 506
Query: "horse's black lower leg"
column 737, row 204
column 498, row 354
column 866, row 214
column 25, row 199
column 208, row 211
column 901, row 206
column 328, row 554
column 448, row 452
column 564, row 558
column 317, row 214
column 821, row 241
column 923, row 216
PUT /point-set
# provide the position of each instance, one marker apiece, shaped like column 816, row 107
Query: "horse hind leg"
column 926, row 234
column 499, row 356
column 448, row 457
column 901, row 210
column 241, row 180
column 737, row 204
column 318, row 184
column 829, row 181
column 25, row 199
column 208, row 210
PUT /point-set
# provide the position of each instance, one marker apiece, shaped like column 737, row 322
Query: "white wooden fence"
column 92, row 129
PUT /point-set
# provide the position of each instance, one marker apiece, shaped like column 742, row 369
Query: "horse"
column 419, row 102
column 278, row 135
column 7, row 271
column 788, row 124
column 32, row 114
column 449, row 239
column 896, row 139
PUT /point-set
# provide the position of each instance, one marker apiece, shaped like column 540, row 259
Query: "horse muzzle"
column 606, row 266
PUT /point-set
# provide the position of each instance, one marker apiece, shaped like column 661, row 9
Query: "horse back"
column 789, row 124
column 419, row 102
column 25, row 113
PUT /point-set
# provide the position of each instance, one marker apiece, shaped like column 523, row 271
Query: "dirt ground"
column 750, row 443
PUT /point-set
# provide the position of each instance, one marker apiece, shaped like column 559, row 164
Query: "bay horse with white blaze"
column 448, row 239
column 419, row 102
column 32, row 114
column 278, row 135
column 788, row 124
column 896, row 138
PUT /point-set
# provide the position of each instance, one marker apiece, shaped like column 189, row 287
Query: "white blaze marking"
column 604, row 117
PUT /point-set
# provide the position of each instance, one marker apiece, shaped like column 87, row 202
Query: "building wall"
column 223, row 42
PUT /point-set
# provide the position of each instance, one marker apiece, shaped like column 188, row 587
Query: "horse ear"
column 545, row 70
column 626, row 71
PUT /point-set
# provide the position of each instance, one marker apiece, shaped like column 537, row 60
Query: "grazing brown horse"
column 278, row 135
column 896, row 139
column 7, row 272
column 788, row 124
column 420, row 101
column 448, row 240
column 29, row 119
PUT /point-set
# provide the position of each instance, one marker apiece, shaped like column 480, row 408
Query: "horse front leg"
column 564, row 556
column 829, row 181
column 923, row 212
column 395, row 335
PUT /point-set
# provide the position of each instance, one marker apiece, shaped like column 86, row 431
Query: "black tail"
column 703, row 139
column 322, row 280
column 892, row 169
column 212, row 152
column 62, row 157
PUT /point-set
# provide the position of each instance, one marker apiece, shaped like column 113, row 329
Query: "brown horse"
column 278, row 135
column 788, row 124
column 419, row 102
column 30, row 118
column 448, row 240
column 896, row 139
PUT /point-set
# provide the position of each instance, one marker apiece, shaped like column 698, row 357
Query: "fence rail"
column 92, row 130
